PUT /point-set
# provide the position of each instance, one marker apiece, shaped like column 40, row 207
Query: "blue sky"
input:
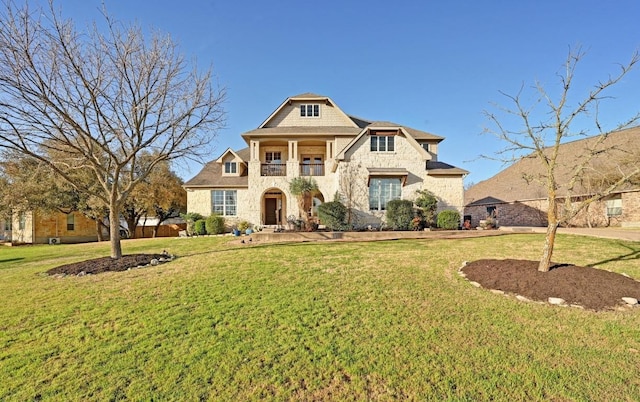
column 431, row 65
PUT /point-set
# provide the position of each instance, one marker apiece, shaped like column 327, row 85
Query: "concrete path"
column 629, row 234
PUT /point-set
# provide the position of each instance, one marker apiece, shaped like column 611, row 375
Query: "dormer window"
column 382, row 143
column 309, row 110
column 425, row 146
column 230, row 167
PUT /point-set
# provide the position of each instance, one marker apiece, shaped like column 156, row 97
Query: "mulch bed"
column 589, row 287
column 105, row 264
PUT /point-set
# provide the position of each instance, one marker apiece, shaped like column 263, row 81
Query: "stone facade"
column 332, row 148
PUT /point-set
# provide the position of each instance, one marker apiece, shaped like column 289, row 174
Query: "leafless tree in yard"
column 103, row 97
column 563, row 176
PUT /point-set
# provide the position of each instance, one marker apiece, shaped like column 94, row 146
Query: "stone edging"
column 629, row 302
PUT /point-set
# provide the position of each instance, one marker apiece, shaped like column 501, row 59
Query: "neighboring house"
column 52, row 227
column 515, row 198
column 5, row 230
column 367, row 163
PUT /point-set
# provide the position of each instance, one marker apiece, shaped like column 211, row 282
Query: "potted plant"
column 245, row 227
column 235, row 231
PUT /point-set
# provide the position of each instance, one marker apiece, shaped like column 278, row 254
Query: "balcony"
column 273, row 169
column 312, row 169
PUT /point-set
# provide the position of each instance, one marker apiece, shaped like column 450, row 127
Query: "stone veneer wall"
column 449, row 190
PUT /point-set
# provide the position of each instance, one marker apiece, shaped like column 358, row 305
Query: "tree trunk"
column 114, row 233
column 547, row 252
column 550, row 238
column 99, row 226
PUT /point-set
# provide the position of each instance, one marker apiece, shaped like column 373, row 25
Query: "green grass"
column 311, row 321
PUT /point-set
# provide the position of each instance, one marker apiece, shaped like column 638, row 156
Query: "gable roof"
column 211, row 174
column 234, row 153
column 515, row 182
column 311, row 97
column 411, row 134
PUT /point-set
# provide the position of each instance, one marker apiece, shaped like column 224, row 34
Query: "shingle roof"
column 298, row 130
column 436, row 168
column 514, row 183
column 416, row 134
column 211, row 175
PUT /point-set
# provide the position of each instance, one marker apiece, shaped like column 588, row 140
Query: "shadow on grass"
column 12, row 259
column 251, row 246
column 633, row 254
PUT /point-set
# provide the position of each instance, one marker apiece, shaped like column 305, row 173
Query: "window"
column 230, row 167
column 22, row 221
column 425, row 146
column 491, row 211
column 309, row 110
column 7, row 225
column 382, row 143
column 71, row 222
column 225, row 202
column 312, row 166
column 382, row 191
column 273, row 157
column 614, row 207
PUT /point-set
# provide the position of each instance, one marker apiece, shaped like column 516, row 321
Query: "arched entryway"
column 317, row 200
column 274, row 207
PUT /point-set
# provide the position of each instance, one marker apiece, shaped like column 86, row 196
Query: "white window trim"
column 380, row 207
column 310, row 107
column 224, row 202
column 377, row 150
column 234, row 166
column 614, row 207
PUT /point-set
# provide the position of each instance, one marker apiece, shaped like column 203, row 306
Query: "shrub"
column 428, row 203
column 190, row 219
column 214, row 224
column 200, row 227
column 449, row 219
column 333, row 215
column 399, row 214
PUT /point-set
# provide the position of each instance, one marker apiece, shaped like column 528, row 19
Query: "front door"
column 270, row 211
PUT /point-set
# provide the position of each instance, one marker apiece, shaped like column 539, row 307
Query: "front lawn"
column 312, row 321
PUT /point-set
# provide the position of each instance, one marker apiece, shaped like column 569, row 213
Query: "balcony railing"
column 273, row 169
column 312, row 169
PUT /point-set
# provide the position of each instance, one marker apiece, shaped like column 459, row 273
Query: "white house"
column 365, row 163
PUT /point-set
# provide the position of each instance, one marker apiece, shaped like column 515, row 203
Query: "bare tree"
column 102, row 97
column 352, row 191
column 543, row 138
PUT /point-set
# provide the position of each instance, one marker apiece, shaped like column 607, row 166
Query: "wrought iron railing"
column 273, row 169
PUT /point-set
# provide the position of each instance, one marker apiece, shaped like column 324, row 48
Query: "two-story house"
column 366, row 163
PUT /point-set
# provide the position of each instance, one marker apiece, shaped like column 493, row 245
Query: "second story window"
column 382, row 143
column 273, row 157
column 230, row 167
column 309, row 110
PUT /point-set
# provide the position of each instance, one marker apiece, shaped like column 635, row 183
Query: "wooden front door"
column 270, row 211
